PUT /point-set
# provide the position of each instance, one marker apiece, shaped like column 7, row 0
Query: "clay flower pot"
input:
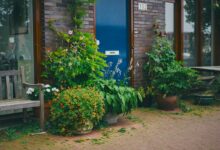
column 111, row 118
column 83, row 128
column 167, row 103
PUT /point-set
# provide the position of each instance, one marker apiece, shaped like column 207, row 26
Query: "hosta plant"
column 118, row 99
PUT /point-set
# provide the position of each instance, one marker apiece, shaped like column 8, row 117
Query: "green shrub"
column 118, row 99
column 166, row 76
column 175, row 80
column 73, row 108
column 76, row 62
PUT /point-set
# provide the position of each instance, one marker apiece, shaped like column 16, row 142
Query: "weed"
column 122, row 130
column 98, row 141
column 19, row 131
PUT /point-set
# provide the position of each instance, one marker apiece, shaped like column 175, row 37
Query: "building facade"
column 123, row 27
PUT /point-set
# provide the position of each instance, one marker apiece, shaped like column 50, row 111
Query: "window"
column 169, row 21
column 16, row 38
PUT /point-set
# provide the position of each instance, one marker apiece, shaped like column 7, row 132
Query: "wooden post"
column 41, row 109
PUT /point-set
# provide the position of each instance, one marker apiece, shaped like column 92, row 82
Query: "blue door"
column 112, row 30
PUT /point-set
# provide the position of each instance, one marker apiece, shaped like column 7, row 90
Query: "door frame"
column 37, row 23
column 131, row 38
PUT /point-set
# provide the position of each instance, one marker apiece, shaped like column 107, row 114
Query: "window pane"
column 189, row 55
column 16, row 36
column 169, row 21
column 207, row 32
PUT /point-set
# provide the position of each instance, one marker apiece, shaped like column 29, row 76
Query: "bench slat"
column 15, row 80
column 9, row 73
column 18, row 104
column 8, row 87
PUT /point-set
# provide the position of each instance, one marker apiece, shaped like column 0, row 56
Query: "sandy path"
column 156, row 131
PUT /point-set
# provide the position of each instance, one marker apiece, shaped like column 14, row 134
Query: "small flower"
column 119, row 61
column 70, row 32
column 137, row 64
column 48, row 90
column 47, row 86
column 97, row 42
column 81, row 38
column 30, row 91
column 55, row 89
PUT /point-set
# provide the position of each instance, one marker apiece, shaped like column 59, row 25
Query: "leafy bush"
column 73, row 108
column 76, row 62
column 165, row 76
column 175, row 80
column 118, row 99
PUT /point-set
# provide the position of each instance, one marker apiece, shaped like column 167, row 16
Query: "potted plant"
column 166, row 77
column 49, row 94
column 76, row 111
column 118, row 99
column 172, row 82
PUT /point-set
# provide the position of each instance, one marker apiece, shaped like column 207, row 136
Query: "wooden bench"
column 12, row 93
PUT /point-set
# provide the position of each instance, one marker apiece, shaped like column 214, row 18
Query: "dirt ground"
column 144, row 129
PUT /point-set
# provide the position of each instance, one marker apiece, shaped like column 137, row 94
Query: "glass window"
column 207, row 50
column 169, row 20
column 16, row 36
column 189, row 48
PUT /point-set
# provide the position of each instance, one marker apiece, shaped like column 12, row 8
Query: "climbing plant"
column 77, row 10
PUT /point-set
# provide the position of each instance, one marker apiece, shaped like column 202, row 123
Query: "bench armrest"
column 39, row 85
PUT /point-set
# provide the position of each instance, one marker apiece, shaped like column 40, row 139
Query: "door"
column 112, row 30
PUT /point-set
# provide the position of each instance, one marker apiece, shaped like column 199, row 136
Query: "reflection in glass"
column 169, row 21
column 207, row 32
column 189, row 55
column 16, row 36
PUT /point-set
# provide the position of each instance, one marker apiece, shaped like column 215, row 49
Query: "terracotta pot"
column 46, row 111
column 85, row 128
column 111, row 118
column 167, row 103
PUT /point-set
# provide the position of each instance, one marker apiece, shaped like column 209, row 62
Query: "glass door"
column 16, row 36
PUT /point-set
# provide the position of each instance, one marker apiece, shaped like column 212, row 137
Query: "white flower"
column 137, row 64
column 97, row 42
column 48, row 90
column 119, row 61
column 55, row 89
column 47, row 86
column 30, row 91
column 70, row 32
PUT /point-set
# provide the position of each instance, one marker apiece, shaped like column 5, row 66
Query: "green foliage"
column 73, row 108
column 118, row 99
column 76, row 62
column 216, row 85
column 160, row 57
column 19, row 131
column 78, row 11
column 175, row 80
column 165, row 76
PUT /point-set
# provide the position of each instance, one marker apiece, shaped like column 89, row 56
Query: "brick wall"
column 143, row 32
column 143, row 23
column 57, row 10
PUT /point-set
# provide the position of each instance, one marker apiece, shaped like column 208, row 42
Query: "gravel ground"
column 144, row 130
